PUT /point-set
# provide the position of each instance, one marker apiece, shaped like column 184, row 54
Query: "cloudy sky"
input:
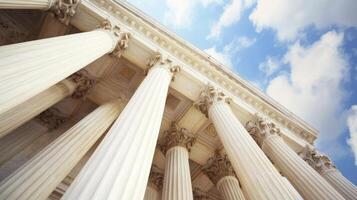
column 302, row 53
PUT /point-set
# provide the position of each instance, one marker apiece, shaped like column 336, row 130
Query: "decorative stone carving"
column 65, row 9
column 52, row 118
column 209, row 95
column 218, row 167
column 319, row 162
column 176, row 136
column 84, row 83
column 156, row 178
column 158, row 58
column 199, row 195
column 261, row 128
column 122, row 44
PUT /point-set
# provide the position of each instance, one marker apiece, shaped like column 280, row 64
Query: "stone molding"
column 208, row 96
column 85, row 84
column 52, row 118
column 260, row 129
column 65, row 9
column 321, row 163
column 218, row 167
column 177, row 136
column 156, row 178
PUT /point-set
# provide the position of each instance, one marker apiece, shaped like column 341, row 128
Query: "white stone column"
column 29, row 68
column 40, row 176
column 304, row 178
column 292, row 190
column 177, row 180
column 153, row 189
column 20, row 114
column 220, row 171
column 323, row 165
column 258, row 176
column 26, row 4
column 120, row 166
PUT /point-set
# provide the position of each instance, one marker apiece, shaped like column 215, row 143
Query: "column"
column 153, row 189
column 20, row 114
column 29, row 68
column 304, row 178
column 26, row 4
column 177, row 180
column 324, row 166
column 292, row 190
column 258, row 176
column 220, row 171
column 120, row 166
column 40, row 176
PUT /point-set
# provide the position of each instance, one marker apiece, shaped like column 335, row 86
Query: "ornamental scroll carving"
column 65, row 9
column 156, row 178
column 176, row 136
column 122, row 44
column 159, row 59
column 84, row 82
column 52, row 118
column 208, row 96
column 319, row 162
column 261, row 128
column 218, row 167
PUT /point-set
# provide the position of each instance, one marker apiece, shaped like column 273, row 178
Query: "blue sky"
column 302, row 53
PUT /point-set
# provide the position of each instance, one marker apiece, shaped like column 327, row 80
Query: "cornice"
column 206, row 65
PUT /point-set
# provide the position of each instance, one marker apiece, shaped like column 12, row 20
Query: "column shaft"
column 29, row 68
column 38, row 177
column 305, row 179
column 292, row 190
column 26, row 4
column 257, row 174
column 25, row 111
column 347, row 189
column 229, row 188
column 120, row 166
column 151, row 193
column 177, row 180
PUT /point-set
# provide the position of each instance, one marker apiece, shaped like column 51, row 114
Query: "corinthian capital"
column 52, row 118
column 319, row 162
column 261, row 128
column 209, row 96
column 65, row 9
column 156, row 178
column 176, row 136
column 84, row 84
column 218, row 167
column 158, row 60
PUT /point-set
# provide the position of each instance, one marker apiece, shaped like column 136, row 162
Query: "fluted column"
column 304, row 178
column 26, row 4
column 220, row 171
column 120, row 166
column 29, row 68
column 153, row 189
column 258, row 176
column 324, row 166
column 292, row 190
column 39, row 176
column 25, row 111
column 177, row 180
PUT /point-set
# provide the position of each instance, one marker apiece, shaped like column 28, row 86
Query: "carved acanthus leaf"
column 156, row 177
column 260, row 128
column 52, row 118
column 122, row 44
column 84, row 83
column 199, row 194
column 319, row 162
column 159, row 59
column 176, row 136
column 208, row 96
column 218, row 167
column 65, row 9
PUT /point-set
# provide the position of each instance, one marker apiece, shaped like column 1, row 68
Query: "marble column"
column 256, row 173
column 177, row 180
column 29, row 68
column 304, row 178
column 27, row 4
column 40, row 176
column 292, row 190
column 120, row 166
column 153, row 189
column 324, row 166
column 27, row 110
column 220, row 171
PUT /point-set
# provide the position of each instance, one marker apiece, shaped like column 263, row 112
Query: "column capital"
column 85, row 82
column 159, row 60
column 218, row 167
column 177, row 136
column 260, row 129
column 122, row 38
column 209, row 96
column 156, row 178
column 321, row 163
column 64, row 9
column 199, row 194
column 52, row 118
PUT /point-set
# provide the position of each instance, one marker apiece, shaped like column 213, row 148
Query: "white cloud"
column 352, row 126
column 269, row 66
column 313, row 89
column 290, row 18
column 222, row 57
column 239, row 43
column 231, row 14
column 206, row 3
